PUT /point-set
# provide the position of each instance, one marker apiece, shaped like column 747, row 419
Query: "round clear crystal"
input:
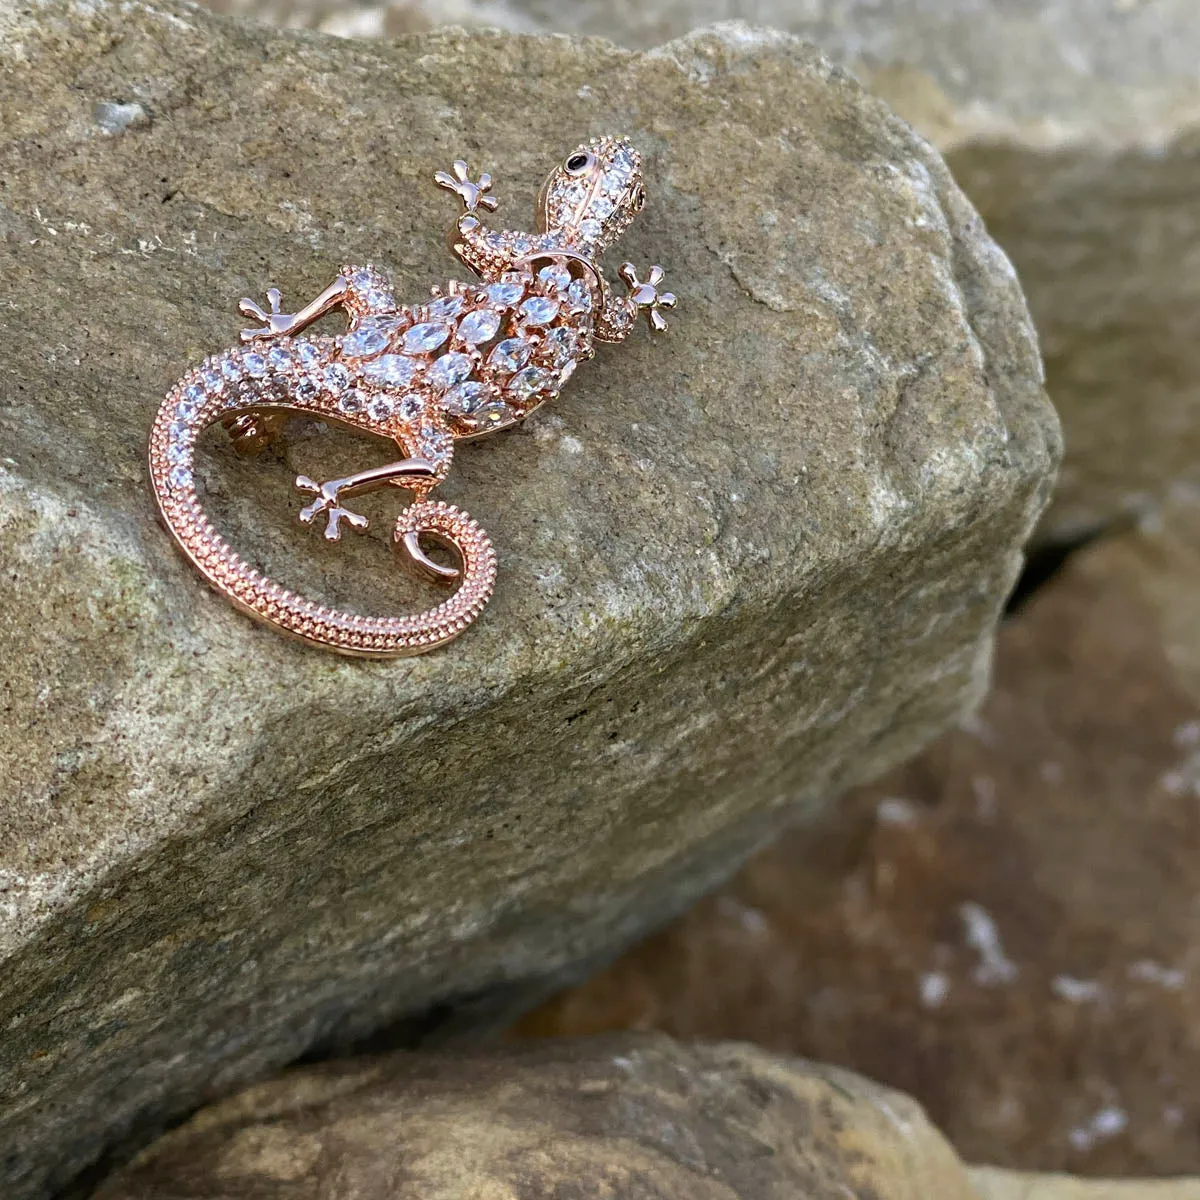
column 307, row 389
column 351, row 401
column 255, row 365
column 410, row 407
column 560, row 345
column 279, row 358
column 231, row 369
column 380, row 409
column 179, row 477
column 336, row 378
column 427, row 336
column 307, row 355
column 213, row 383
column 590, row 229
column 479, row 326
column 177, row 452
column 579, row 295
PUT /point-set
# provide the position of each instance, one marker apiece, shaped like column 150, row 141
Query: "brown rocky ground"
column 1006, row 927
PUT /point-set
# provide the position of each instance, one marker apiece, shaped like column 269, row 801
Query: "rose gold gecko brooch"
column 476, row 358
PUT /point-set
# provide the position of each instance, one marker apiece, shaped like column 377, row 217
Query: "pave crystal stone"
column 307, row 390
column 510, row 355
column 505, row 294
column 212, row 381
column 393, row 370
column 231, row 369
column 590, row 229
column 279, row 358
column 434, row 444
column 463, row 400
column 186, row 409
column 255, row 365
column 367, row 341
column 351, row 401
column 555, row 276
column 194, row 394
column 427, row 336
column 579, row 295
column 336, row 378
column 601, row 208
column 380, row 409
column 539, row 310
column 177, row 431
column 479, row 326
column 307, row 355
column 179, row 477
column 445, row 308
column 449, row 370
column 410, row 406
column 177, row 452
column 527, row 383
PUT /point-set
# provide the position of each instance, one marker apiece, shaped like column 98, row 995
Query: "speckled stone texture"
column 629, row 1116
column 740, row 569
column 1071, row 124
column 1011, row 1185
column 1006, row 927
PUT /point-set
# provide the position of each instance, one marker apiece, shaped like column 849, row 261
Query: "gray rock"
column 1072, row 126
column 992, row 1184
column 628, row 1115
column 741, row 569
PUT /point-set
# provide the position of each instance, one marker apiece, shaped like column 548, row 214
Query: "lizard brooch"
column 475, row 358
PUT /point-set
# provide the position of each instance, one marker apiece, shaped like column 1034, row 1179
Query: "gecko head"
column 594, row 193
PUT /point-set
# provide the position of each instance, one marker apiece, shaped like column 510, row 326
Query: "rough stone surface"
column 1005, row 928
column 993, row 1184
column 741, row 569
column 623, row 1116
column 1073, row 127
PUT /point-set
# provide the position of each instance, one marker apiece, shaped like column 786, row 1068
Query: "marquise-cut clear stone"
column 393, row 370
column 464, row 399
column 427, row 336
column 255, row 365
column 445, row 307
column 510, row 355
column 560, row 346
column 493, row 413
column 367, row 341
column 579, row 295
column 555, row 276
column 449, row 370
column 505, row 293
column 336, row 378
column 479, row 326
column 527, row 383
column 539, row 310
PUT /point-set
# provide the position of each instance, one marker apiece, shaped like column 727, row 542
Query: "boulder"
column 992, row 1184
column 1003, row 928
column 621, row 1116
column 740, row 569
column 1071, row 125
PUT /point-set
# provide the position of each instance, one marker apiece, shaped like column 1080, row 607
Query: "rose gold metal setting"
column 476, row 358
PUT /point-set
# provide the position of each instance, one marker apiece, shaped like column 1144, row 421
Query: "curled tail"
column 182, row 418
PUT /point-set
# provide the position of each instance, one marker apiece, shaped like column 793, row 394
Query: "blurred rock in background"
column 624, row 1116
column 1074, row 127
column 1006, row 927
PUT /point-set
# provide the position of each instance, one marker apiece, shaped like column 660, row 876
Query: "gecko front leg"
column 618, row 314
column 280, row 324
column 488, row 253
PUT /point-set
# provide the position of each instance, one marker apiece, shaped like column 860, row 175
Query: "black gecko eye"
column 579, row 162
